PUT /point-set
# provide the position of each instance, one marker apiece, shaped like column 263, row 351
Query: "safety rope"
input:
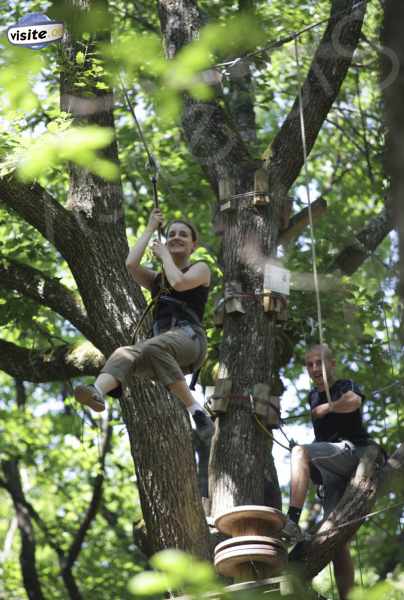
column 151, row 160
column 312, row 236
column 152, row 165
column 270, row 434
column 359, row 519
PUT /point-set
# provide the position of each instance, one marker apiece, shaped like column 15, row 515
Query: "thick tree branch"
column 284, row 157
column 36, row 206
column 300, row 220
column 45, row 290
column 364, row 243
column 56, row 364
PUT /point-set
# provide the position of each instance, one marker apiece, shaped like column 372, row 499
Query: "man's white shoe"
column 292, row 533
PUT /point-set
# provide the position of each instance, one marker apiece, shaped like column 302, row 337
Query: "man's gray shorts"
column 336, row 463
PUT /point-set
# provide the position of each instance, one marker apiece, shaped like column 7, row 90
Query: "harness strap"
column 183, row 306
column 162, row 296
column 146, row 311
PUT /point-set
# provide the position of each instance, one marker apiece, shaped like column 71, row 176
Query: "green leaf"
column 149, row 584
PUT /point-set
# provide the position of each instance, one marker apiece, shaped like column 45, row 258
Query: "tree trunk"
column 158, row 429
column 240, row 450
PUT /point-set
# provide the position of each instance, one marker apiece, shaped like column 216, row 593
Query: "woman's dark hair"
column 191, row 227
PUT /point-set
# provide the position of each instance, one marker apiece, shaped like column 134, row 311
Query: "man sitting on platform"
column 333, row 457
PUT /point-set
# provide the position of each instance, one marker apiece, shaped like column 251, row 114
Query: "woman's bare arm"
column 143, row 275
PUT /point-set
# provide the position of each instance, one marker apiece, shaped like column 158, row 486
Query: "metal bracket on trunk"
column 258, row 197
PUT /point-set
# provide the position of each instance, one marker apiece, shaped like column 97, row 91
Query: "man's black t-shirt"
column 335, row 427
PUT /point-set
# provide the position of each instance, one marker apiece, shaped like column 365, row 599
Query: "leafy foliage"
column 57, row 452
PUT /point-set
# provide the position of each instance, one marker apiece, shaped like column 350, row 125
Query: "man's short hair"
column 324, row 349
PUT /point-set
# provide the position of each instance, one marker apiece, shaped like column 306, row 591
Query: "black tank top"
column 195, row 299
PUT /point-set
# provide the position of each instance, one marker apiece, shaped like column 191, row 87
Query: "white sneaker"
column 292, row 532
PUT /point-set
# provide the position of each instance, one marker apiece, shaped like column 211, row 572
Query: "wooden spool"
column 248, row 539
column 251, row 520
column 254, row 552
column 250, row 557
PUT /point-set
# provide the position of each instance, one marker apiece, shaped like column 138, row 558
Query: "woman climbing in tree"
column 179, row 342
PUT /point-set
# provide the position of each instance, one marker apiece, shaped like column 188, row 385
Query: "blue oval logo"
column 35, row 31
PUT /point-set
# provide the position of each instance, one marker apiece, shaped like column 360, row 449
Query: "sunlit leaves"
column 60, row 144
column 175, row 570
column 141, row 57
column 19, row 70
column 386, row 590
column 80, row 58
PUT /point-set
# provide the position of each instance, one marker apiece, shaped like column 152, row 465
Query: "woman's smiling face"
column 179, row 239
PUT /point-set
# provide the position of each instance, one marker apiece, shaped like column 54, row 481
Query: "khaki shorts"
column 164, row 358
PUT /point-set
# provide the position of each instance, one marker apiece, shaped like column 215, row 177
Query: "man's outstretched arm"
column 348, row 402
